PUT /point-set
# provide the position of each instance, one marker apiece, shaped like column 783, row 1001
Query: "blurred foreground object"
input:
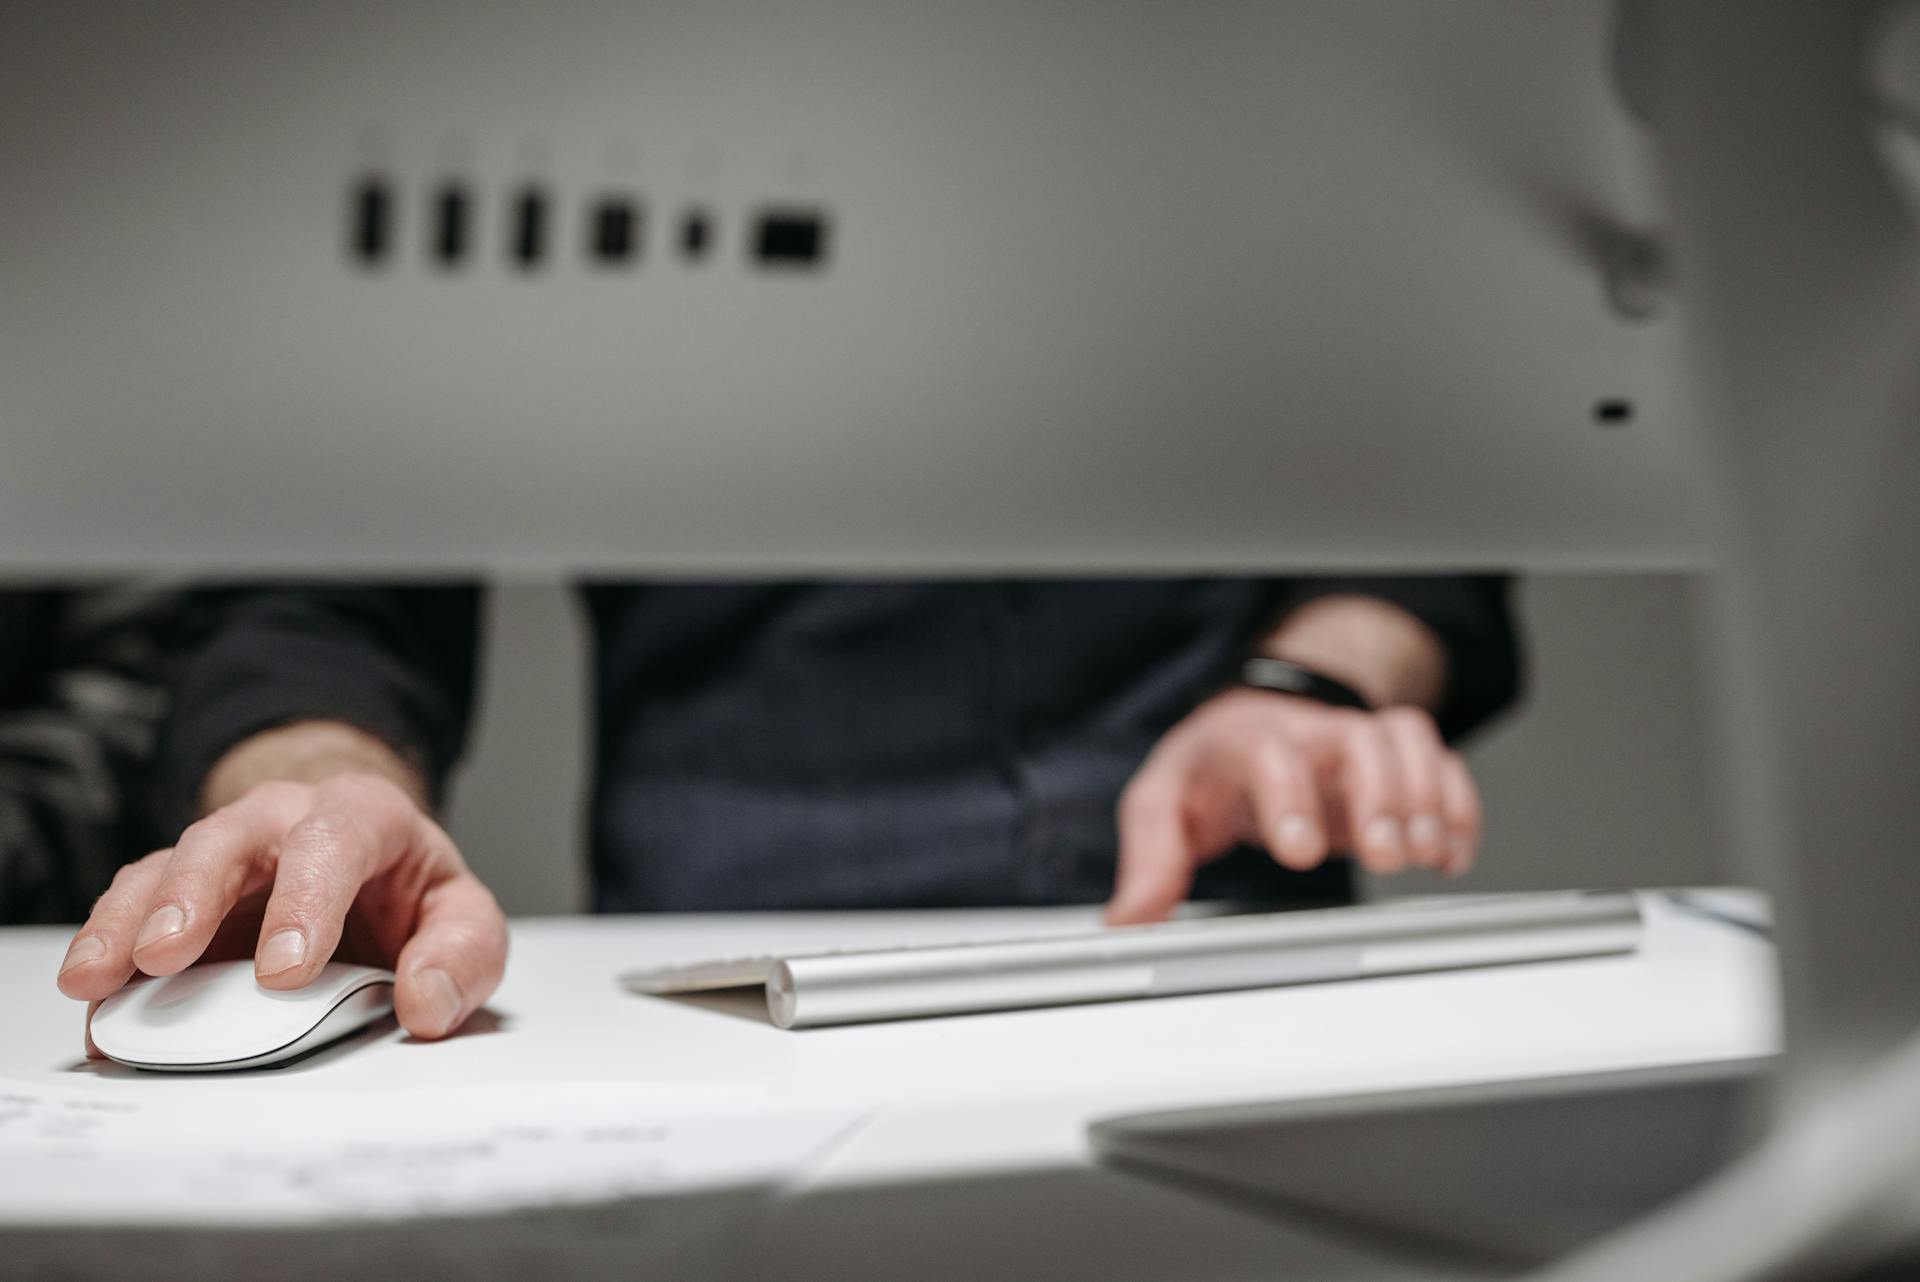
column 83, row 675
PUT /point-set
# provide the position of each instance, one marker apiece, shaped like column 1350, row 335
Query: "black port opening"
column 527, row 241
column 452, row 225
column 696, row 235
column 1614, row 411
column 613, row 231
column 370, row 230
column 791, row 238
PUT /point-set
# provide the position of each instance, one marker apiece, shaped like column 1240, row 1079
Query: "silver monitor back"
column 831, row 285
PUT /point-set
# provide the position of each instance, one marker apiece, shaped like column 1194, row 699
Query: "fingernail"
column 1294, row 834
column 160, row 924
column 283, row 950
column 441, row 994
column 1424, row 830
column 85, row 949
column 1384, row 831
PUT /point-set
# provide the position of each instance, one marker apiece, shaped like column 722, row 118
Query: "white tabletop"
column 971, row 1101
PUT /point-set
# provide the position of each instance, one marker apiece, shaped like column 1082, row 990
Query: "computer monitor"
column 831, row 286
column 826, row 285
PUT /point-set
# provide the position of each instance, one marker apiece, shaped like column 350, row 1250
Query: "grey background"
column 1602, row 778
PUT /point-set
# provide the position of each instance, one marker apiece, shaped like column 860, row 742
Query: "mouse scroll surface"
column 217, row 1016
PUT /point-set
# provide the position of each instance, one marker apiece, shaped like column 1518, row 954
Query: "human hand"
column 296, row 874
column 1302, row 779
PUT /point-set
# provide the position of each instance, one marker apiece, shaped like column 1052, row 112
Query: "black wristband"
column 1285, row 677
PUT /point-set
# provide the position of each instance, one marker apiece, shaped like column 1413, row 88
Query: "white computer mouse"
column 215, row 1016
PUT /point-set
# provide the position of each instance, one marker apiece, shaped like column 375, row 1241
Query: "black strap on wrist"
column 1283, row 676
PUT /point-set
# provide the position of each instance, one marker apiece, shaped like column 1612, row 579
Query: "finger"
column 93, row 1052
column 1285, row 801
column 455, row 959
column 1460, row 806
column 213, row 863
column 1374, row 803
column 100, row 958
column 355, row 827
column 1156, row 861
column 1417, row 752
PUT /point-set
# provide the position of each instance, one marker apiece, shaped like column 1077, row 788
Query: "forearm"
column 307, row 752
column 1378, row 648
column 388, row 669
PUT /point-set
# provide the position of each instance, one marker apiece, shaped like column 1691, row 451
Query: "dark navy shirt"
column 825, row 745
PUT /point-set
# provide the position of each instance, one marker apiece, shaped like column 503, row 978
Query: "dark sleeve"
column 83, row 676
column 1472, row 614
column 398, row 662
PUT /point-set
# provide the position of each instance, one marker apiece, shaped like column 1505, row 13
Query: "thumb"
column 455, row 959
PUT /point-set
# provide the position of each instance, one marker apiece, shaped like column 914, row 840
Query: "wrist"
column 1389, row 657
column 308, row 752
column 1285, row 676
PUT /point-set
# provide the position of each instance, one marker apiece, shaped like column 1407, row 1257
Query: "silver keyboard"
column 1209, row 954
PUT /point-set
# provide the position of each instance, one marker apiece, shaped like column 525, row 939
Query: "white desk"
column 976, row 1163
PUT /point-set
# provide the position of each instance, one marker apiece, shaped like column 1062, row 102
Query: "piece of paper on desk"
column 188, row 1152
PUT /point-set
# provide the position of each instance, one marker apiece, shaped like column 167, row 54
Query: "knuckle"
column 126, row 875
column 469, row 940
column 1273, row 742
column 1364, row 733
column 1415, row 723
column 423, row 827
column 326, row 834
column 378, row 790
column 349, row 785
column 487, row 902
column 384, row 807
column 122, row 892
column 210, row 829
column 351, row 788
column 1274, row 762
column 491, row 932
column 278, row 792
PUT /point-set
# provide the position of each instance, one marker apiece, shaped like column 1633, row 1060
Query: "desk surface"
column 1008, row 1096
